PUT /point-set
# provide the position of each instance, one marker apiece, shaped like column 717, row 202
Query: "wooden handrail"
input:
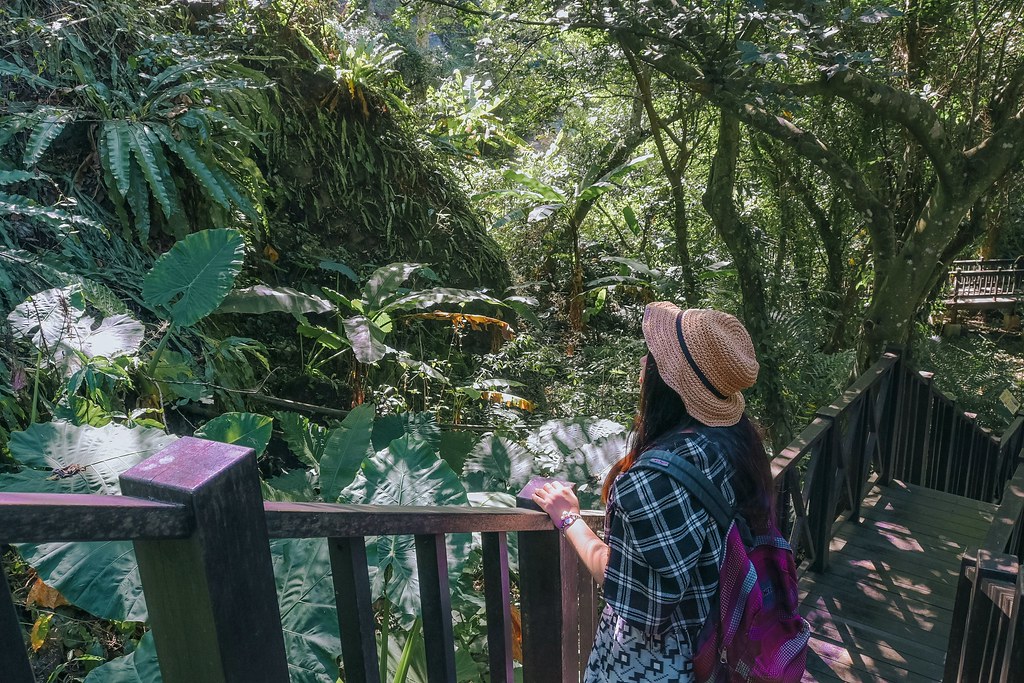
column 986, row 641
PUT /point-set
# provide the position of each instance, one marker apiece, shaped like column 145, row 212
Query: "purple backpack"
column 758, row 634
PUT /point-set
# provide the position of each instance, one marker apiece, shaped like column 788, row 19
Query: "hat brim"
column 659, row 327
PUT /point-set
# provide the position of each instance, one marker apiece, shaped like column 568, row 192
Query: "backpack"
column 758, row 635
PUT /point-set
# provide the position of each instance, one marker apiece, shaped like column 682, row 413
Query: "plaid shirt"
column 666, row 552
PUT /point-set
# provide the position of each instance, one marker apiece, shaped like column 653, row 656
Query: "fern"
column 144, row 148
column 138, row 200
column 202, row 173
column 115, row 153
column 18, row 205
column 12, row 177
column 51, row 122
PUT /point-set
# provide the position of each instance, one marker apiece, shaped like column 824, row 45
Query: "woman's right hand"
column 558, row 500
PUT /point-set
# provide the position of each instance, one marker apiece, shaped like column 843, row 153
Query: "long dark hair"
column 662, row 412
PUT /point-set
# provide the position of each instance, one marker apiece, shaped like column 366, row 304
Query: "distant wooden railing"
column 996, row 284
column 201, row 534
column 986, row 642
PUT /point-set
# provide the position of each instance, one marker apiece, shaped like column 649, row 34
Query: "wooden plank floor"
column 882, row 611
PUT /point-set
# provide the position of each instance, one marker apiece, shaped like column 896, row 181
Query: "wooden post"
column 1013, row 660
column 959, row 623
column 820, row 503
column 547, row 578
column 436, row 599
column 355, row 609
column 884, row 412
column 498, row 598
column 14, row 664
column 212, row 597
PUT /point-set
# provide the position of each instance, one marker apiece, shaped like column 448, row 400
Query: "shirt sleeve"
column 655, row 542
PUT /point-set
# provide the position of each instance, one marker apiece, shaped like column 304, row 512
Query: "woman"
column 660, row 564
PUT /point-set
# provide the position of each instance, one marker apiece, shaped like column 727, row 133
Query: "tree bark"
column 719, row 203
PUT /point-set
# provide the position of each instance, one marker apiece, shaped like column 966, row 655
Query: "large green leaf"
column 196, row 274
column 101, row 578
column 45, row 317
column 140, row 666
column 305, row 439
column 115, row 153
column 97, row 454
column 366, row 338
column 579, row 450
column 422, row 426
column 386, row 280
column 309, row 614
column 408, row 472
column 498, row 464
column 54, row 321
column 539, row 187
column 438, row 295
column 50, row 125
column 346, row 449
column 251, row 430
column 555, row 440
column 263, row 299
column 117, row 335
column 296, row 485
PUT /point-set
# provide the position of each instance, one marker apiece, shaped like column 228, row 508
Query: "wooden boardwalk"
column 883, row 609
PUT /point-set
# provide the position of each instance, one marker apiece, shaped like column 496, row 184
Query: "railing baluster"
column 547, row 583
column 960, row 622
column 212, row 597
column 1013, row 659
column 820, row 505
column 928, row 425
column 438, row 632
column 498, row 598
column 14, row 664
column 355, row 609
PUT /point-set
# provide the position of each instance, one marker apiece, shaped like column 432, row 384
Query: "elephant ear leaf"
column 140, row 666
column 84, row 459
column 60, row 457
column 498, row 464
column 191, row 280
column 243, row 429
column 346, row 448
column 408, row 472
column 386, row 280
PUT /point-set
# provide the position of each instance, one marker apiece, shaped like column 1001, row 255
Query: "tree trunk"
column 719, row 203
column 903, row 283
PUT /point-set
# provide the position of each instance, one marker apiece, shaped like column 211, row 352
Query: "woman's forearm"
column 591, row 549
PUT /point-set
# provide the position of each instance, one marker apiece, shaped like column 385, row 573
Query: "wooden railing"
column 980, row 285
column 201, row 534
column 986, row 642
column 892, row 423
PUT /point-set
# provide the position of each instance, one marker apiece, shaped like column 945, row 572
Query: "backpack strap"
column 690, row 477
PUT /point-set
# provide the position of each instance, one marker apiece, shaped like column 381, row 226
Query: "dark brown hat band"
column 693, row 364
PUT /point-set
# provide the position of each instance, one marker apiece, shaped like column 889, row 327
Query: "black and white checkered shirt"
column 665, row 549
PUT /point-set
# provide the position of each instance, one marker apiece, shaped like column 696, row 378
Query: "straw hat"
column 705, row 356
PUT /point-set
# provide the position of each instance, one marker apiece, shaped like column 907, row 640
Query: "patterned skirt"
column 623, row 654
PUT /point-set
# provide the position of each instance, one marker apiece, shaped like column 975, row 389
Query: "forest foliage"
column 391, row 242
